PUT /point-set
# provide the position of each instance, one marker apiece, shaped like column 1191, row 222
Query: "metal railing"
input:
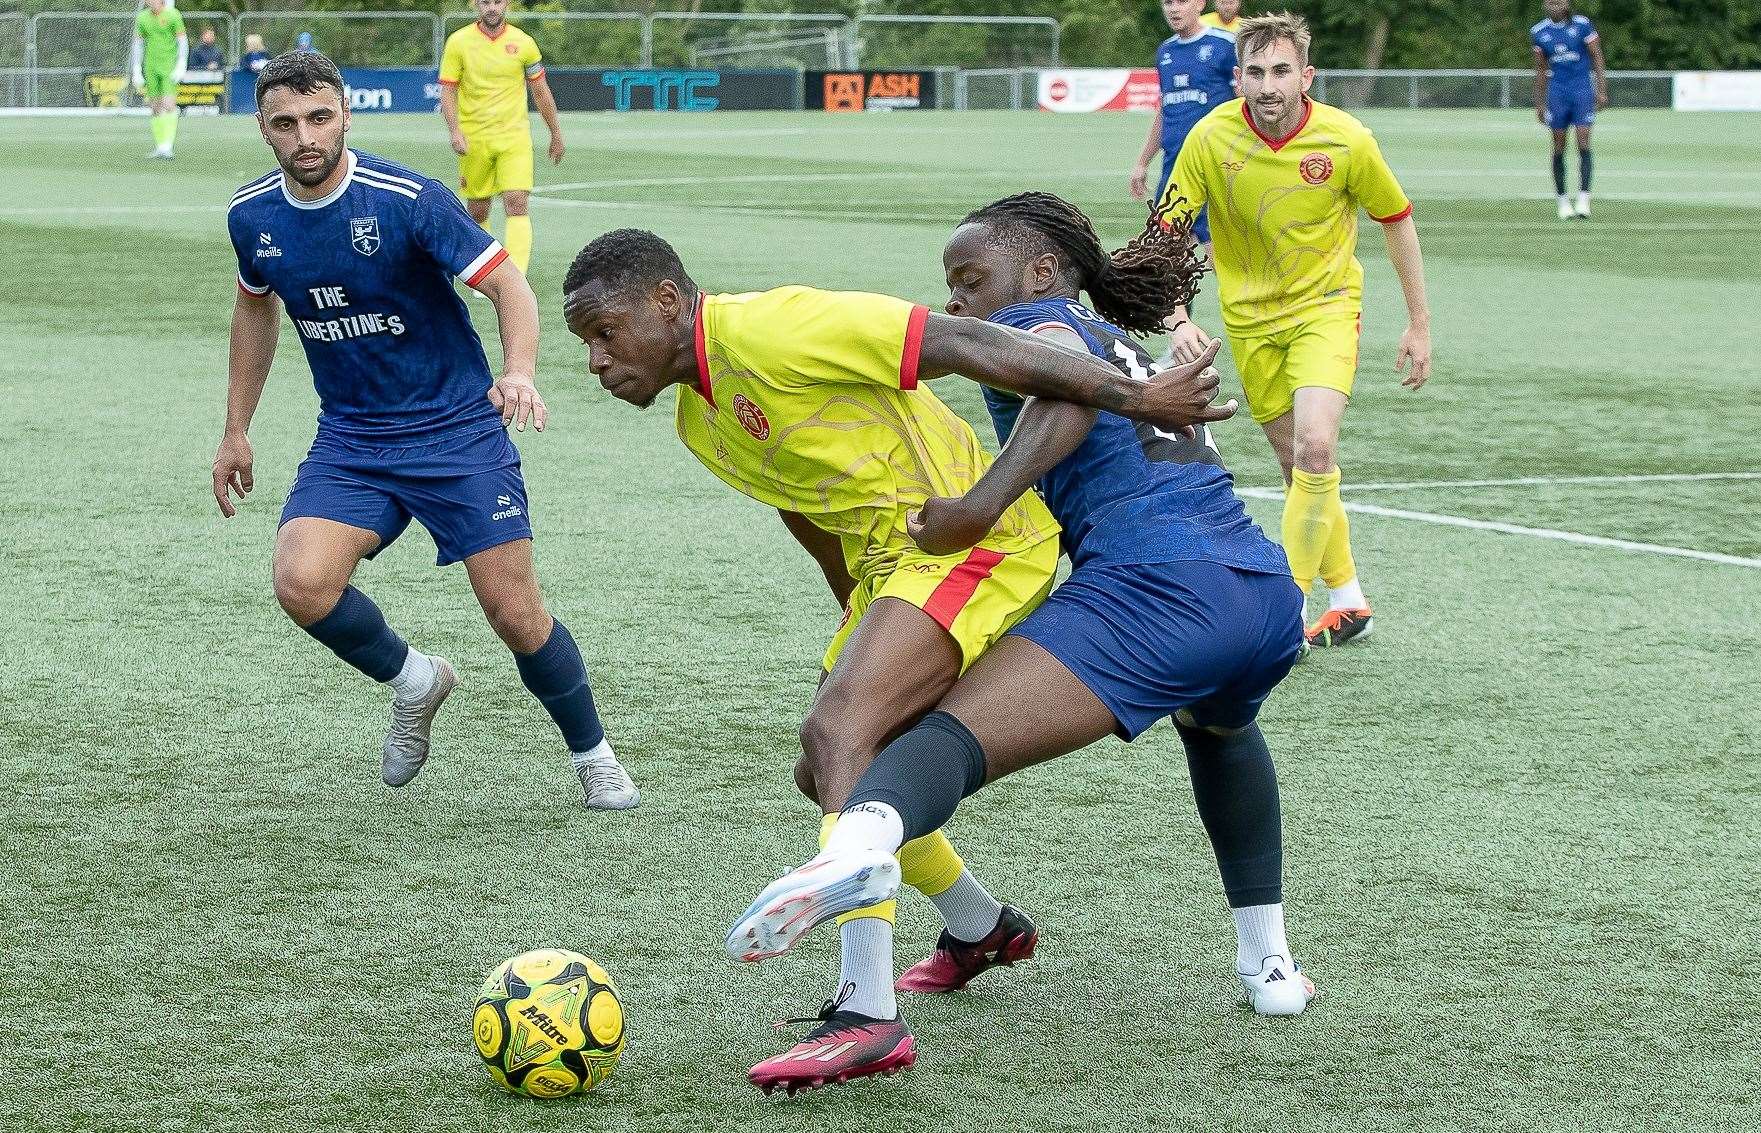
column 66, row 53
column 576, row 39
column 980, row 42
column 675, row 40
column 352, row 39
column 1469, row 89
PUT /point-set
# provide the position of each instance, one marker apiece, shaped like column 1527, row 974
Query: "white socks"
column 968, row 909
column 416, row 679
column 598, row 753
column 1347, row 597
column 1259, row 933
column 870, row 826
column 866, row 968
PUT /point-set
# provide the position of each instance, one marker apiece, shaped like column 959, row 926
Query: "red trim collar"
column 697, row 334
column 1276, row 144
column 492, row 38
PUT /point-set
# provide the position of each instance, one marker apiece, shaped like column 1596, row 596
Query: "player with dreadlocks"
column 1177, row 606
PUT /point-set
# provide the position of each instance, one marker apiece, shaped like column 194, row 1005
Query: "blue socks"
column 1236, row 789
column 1584, row 165
column 558, row 678
column 1559, row 173
column 355, row 630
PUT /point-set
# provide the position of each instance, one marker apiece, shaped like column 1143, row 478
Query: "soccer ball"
column 549, row 1024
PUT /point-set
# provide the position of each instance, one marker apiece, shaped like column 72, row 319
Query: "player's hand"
column 556, row 149
column 944, row 526
column 516, row 399
column 1541, row 116
column 1188, row 342
column 140, row 87
column 1140, row 182
column 232, row 472
column 1601, row 99
column 1415, row 347
column 177, row 76
column 459, row 145
column 1181, row 398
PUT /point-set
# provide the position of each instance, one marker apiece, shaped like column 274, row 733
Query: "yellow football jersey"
column 808, row 401
column 1283, row 212
column 491, row 76
column 1211, row 19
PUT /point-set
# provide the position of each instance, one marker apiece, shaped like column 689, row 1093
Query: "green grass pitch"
column 1522, row 843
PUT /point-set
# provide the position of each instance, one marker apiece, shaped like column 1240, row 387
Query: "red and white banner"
column 1078, row 92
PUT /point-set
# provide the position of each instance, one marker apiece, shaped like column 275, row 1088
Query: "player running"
column 1177, row 605
column 363, row 252
column 156, row 62
column 809, row 401
column 1195, row 68
column 1225, row 17
column 1571, row 84
column 484, row 75
column 1283, row 177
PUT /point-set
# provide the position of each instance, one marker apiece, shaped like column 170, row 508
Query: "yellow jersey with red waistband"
column 1283, row 211
column 491, row 73
column 808, row 401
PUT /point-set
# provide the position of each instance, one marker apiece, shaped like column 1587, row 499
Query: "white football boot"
column 605, row 785
column 406, row 743
column 1583, row 209
column 1278, row 988
column 805, row 898
column 1565, row 212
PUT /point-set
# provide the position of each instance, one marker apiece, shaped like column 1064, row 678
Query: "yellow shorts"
column 495, row 165
column 977, row 596
column 1321, row 352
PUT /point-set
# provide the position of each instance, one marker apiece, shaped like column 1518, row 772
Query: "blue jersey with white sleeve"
column 367, row 277
column 1564, row 44
column 1196, row 76
column 1131, row 493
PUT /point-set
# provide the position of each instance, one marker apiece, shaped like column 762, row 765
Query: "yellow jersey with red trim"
column 491, row 73
column 1211, row 19
column 808, row 401
column 1283, row 211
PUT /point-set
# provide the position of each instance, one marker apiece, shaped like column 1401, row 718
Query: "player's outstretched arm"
column 1409, row 265
column 827, row 550
column 1032, row 367
column 256, row 326
column 1045, row 432
column 515, row 393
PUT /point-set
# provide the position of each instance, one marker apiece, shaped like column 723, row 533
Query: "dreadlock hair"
column 625, row 258
column 1134, row 288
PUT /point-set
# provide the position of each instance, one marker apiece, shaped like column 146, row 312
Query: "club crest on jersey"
column 1316, row 168
column 751, row 418
column 512, row 49
column 364, row 234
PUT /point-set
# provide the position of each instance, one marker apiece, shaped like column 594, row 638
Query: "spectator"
column 303, row 42
column 254, row 57
column 205, row 55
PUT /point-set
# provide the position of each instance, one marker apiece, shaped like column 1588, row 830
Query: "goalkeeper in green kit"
column 156, row 65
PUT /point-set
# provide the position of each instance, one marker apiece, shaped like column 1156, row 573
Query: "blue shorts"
column 466, row 489
column 1201, row 227
column 1152, row 639
column 1570, row 106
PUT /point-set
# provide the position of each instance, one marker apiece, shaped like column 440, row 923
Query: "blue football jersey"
column 1132, row 493
column 1196, row 75
column 1565, row 46
column 367, row 277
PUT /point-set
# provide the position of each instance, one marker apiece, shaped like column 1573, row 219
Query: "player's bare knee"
column 306, row 595
column 515, row 203
column 1315, row 451
column 523, row 626
column 479, row 210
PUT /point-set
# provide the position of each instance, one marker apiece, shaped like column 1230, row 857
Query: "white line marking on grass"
column 1518, row 529
column 1540, row 481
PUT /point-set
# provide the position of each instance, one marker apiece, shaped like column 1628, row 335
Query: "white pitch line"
column 1517, row 529
column 1542, row 481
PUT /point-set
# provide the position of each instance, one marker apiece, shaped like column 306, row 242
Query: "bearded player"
column 809, row 402
column 363, row 252
column 484, row 74
column 1282, row 178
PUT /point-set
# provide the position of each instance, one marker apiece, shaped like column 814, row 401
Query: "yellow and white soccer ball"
column 549, row 1024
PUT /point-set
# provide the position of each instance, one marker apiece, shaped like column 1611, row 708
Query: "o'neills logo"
column 751, row 418
column 1316, row 168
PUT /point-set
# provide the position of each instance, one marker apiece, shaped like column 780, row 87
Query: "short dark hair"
column 624, row 258
column 304, row 71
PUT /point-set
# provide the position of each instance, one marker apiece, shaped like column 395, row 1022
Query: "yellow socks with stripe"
column 1338, row 567
column 519, row 241
column 161, row 136
column 170, row 128
column 1311, row 507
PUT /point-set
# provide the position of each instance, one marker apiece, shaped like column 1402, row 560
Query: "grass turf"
column 1520, row 864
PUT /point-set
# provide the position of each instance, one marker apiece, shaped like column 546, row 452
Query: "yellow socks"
column 519, row 241
column 1311, row 510
column 1338, row 568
